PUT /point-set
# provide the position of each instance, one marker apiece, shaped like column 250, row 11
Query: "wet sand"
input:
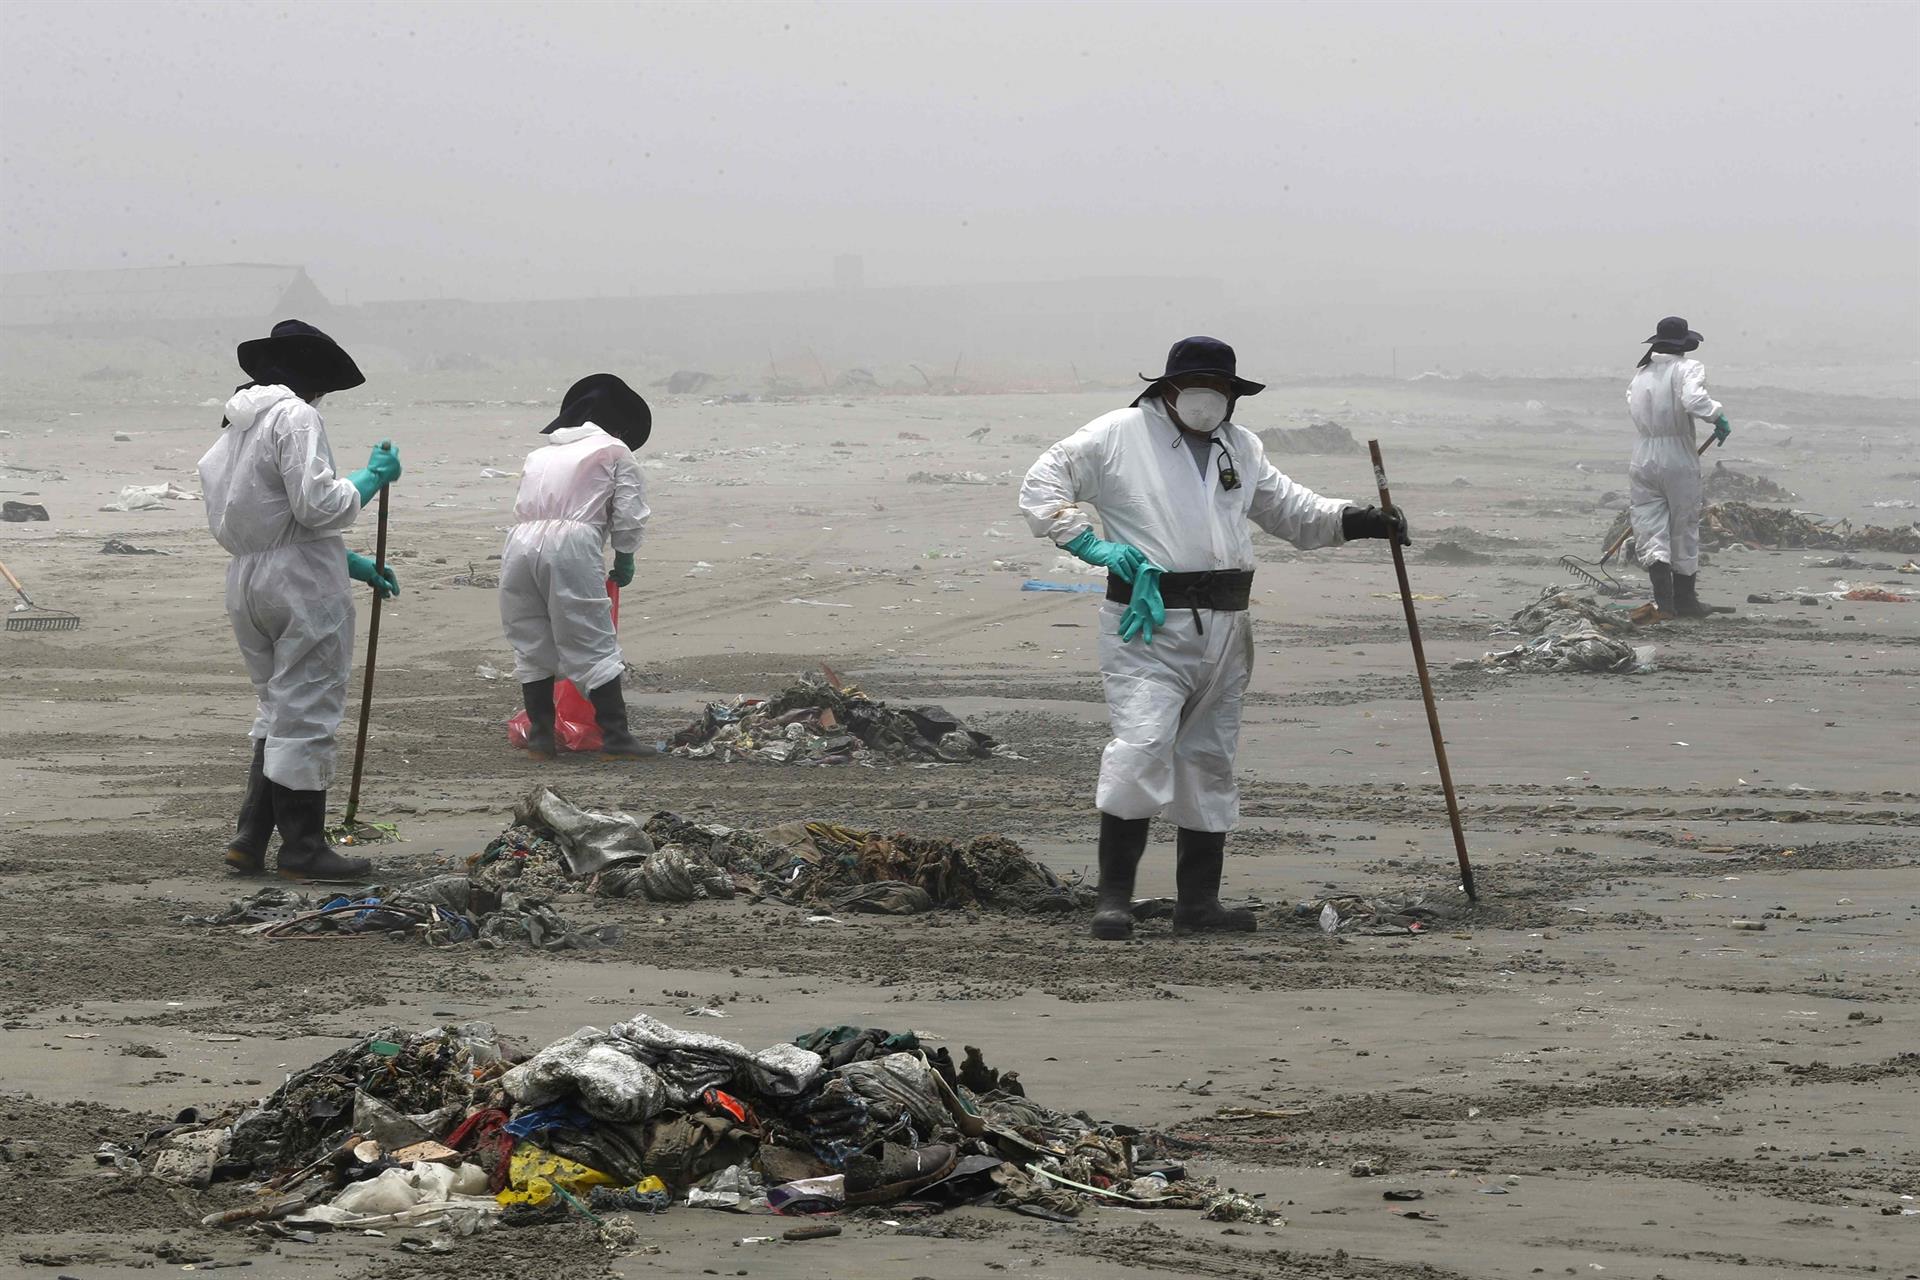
column 1592, row 1069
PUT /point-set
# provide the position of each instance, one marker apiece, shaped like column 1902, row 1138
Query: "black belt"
column 1226, row 590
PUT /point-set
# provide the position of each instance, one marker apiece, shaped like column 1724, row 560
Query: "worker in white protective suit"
column 276, row 503
column 1667, row 397
column 579, row 492
column 1175, row 483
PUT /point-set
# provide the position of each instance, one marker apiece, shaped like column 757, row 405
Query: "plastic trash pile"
column 1726, row 524
column 555, row 846
column 458, row 1128
column 1724, row 484
column 1567, row 632
column 822, row 721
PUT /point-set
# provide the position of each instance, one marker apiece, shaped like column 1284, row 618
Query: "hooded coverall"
column 1175, row 704
column 275, row 501
column 1665, row 399
column 576, row 492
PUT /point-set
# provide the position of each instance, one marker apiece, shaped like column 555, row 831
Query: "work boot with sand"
column 1197, row 909
column 1661, row 575
column 1122, row 841
column 610, row 709
column 539, row 699
column 1686, row 602
column 247, row 851
column 304, row 851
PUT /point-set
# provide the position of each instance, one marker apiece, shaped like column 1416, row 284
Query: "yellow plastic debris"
column 533, row 1172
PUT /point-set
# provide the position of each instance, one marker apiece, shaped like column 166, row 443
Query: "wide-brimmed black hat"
column 1673, row 329
column 298, row 351
column 1201, row 355
column 605, row 400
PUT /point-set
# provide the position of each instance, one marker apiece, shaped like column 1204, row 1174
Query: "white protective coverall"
column 576, row 492
column 1665, row 399
column 1175, row 704
column 276, row 503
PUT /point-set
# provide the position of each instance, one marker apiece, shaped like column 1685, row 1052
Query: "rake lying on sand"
column 28, row 616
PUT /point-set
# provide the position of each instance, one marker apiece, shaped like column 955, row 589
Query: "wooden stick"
column 1426, row 683
column 373, row 651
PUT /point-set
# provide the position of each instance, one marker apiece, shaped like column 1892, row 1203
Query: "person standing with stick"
column 1176, row 484
column 1667, row 396
column 277, row 504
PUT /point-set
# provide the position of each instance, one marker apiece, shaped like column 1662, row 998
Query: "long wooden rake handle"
column 1426, row 683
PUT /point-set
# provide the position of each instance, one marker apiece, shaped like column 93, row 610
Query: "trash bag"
column 590, row 841
column 575, row 727
column 668, row 876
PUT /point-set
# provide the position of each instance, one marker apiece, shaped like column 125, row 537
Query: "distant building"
column 224, row 300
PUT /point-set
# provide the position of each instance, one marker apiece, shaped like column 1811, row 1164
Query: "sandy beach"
column 1590, row 1072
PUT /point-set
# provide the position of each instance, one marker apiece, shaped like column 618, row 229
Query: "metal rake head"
column 43, row 621
column 1596, row 576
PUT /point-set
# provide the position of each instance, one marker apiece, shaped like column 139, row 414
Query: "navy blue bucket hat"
column 1674, row 330
column 1201, row 355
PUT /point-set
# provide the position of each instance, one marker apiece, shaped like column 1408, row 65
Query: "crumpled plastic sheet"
column 1568, row 632
column 590, row 841
column 669, row 875
column 692, row 1062
column 608, row 1080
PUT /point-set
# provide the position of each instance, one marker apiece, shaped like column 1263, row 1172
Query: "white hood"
column 248, row 403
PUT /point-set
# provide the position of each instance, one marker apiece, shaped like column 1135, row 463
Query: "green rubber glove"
column 1123, row 560
column 383, row 468
column 622, row 574
column 380, row 577
column 1721, row 429
column 1146, row 611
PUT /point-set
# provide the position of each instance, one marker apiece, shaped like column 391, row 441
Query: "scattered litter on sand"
column 120, row 547
column 950, row 477
column 819, row 720
column 1318, row 437
column 1568, row 632
column 459, row 1128
column 147, row 497
column 1395, row 914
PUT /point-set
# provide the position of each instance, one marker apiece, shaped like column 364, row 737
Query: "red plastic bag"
column 574, row 725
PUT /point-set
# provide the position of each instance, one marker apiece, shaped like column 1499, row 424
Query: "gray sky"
column 1455, row 165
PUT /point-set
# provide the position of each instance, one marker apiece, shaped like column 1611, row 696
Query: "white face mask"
column 1201, row 408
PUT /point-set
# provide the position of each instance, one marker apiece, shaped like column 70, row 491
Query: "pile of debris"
column 1383, row 915
column 459, row 1129
column 1724, row 484
column 1727, row 524
column 1318, row 437
column 555, row 844
column 1568, row 632
column 554, row 848
column 821, row 720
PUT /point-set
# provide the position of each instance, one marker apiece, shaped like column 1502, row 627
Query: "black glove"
column 1372, row 522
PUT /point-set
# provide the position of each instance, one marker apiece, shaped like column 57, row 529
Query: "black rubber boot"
column 1197, row 908
column 1686, row 602
column 1122, row 841
column 539, row 697
column 247, row 851
column 610, row 709
column 304, row 851
column 1662, row 575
